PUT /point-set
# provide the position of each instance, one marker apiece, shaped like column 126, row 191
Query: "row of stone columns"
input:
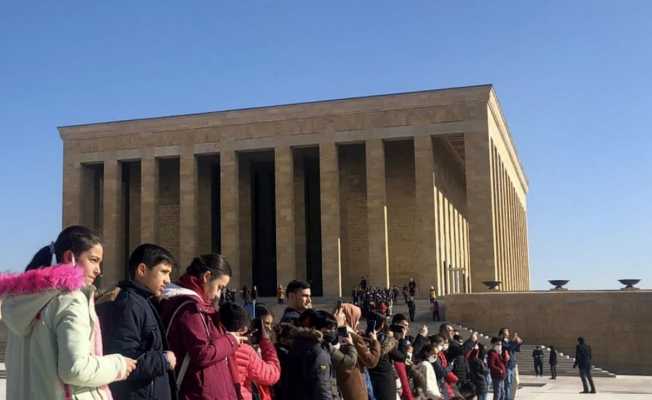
column 433, row 212
column 511, row 239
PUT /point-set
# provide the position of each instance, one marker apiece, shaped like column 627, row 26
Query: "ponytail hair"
column 216, row 264
column 75, row 238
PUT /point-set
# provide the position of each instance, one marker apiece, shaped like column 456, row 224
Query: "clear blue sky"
column 574, row 79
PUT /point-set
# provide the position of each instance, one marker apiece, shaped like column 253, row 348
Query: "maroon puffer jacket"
column 195, row 331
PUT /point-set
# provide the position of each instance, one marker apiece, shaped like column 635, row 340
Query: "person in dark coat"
column 553, row 362
column 412, row 308
column 412, row 287
column 537, row 357
column 299, row 299
column 479, row 371
column 583, row 358
column 131, row 326
column 309, row 358
column 382, row 376
column 363, row 283
column 205, row 350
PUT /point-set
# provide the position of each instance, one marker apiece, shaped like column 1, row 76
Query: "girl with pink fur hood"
column 54, row 348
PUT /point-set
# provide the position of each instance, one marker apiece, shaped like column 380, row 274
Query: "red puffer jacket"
column 252, row 369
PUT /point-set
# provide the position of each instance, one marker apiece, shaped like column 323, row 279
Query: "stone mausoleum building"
column 425, row 184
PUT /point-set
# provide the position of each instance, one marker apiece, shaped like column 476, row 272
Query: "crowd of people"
column 151, row 338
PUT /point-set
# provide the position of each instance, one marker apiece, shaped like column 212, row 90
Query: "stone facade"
column 425, row 184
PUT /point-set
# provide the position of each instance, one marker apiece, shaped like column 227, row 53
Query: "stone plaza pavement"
column 623, row 387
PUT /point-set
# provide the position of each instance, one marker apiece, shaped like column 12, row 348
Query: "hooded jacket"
column 54, row 346
column 195, row 331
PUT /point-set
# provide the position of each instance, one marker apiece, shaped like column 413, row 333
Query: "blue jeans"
column 499, row 389
column 370, row 389
column 509, row 383
column 482, row 396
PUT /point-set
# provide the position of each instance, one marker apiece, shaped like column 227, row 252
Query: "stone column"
column 511, row 232
column 441, row 267
column 300, row 217
column 480, row 207
column 426, row 220
column 448, row 254
column 329, row 180
column 72, row 177
column 113, row 264
column 285, row 224
column 526, row 249
column 187, row 205
column 377, row 213
column 148, row 198
column 502, row 256
column 230, row 212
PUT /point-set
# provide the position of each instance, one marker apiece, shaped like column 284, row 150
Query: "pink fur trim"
column 60, row 277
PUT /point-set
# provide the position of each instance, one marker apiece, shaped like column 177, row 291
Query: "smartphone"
column 256, row 331
column 342, row 331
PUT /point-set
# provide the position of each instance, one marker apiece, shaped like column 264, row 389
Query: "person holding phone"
column 368, row 349
column 255, row 373
column 350, row 381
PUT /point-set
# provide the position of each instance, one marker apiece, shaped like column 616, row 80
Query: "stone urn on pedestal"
column 492, row 285
column 558, row 284
column 629, row 283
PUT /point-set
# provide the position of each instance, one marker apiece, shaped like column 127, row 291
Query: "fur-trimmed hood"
column 25, row 294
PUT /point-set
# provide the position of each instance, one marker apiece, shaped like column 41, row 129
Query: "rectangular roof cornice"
column 285, row 111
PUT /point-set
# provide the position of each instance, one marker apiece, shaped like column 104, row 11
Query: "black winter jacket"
column 583, row 356
column 131, row 326
column 307, row 371
column 383, row 376
column 479, row 371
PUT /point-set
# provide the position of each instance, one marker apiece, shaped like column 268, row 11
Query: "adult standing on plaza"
column 432, row 295
column 511, row 344
column 299, row 299
column 54, row 347
column 412, row 287
column 412, row 308
column 537, row 357
column 583, row 358
column 553, row 362
column 497, row 360
column 363, row 283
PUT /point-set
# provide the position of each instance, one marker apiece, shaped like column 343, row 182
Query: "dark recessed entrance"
column 313, row 222
column 263, row 224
